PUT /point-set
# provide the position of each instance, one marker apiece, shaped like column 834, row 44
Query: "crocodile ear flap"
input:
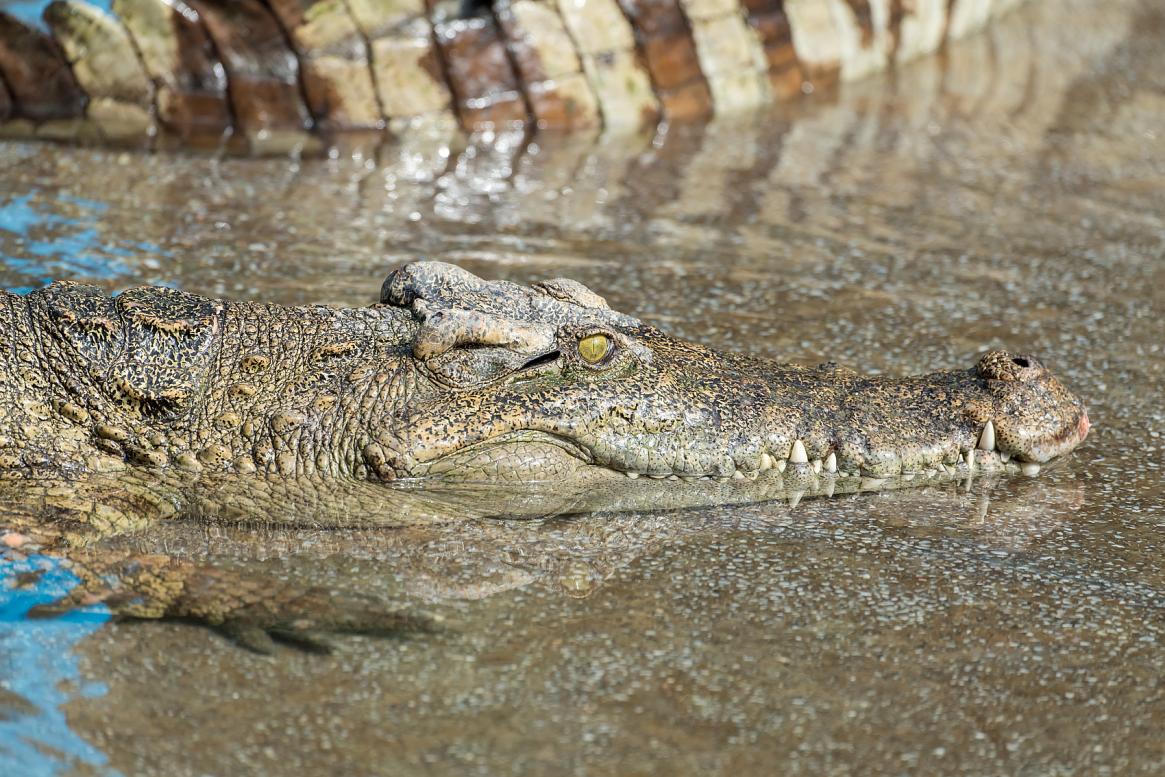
column 432, row 281
column 439, row 281
column 468, row 347
column 446, row 329
column 567, row 290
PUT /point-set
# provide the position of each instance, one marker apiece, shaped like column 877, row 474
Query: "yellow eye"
column 594, row 348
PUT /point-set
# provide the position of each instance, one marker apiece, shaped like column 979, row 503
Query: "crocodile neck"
column 159, row 378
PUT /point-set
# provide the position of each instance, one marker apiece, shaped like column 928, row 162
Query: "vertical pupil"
column 593, row 348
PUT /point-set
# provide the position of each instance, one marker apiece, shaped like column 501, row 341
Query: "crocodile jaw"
column 735, row 417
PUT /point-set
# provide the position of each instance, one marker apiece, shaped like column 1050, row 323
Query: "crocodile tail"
column 280, row 75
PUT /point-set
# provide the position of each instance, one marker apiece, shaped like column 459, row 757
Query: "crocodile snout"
column 1004, row 365
column 1036, row 417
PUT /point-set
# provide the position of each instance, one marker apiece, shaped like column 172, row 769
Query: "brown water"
column 1009, row 194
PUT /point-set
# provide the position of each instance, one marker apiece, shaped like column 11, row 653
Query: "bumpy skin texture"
column 117, row 412
column 454, row 376
column 277, row 74
column 660, row 406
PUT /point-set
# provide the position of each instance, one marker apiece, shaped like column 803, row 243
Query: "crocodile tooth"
column 766, row 461
column 781, row 464
column 971, row 458
column 987, row 438
column 1004, row 456
column 831, row 463
column 632, row 475
column 1030, row 468
column 795, row 499
column 816, row 466
column 738, row 475
column 797, row 455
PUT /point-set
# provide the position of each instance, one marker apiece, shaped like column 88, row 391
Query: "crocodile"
column 280, row 75
column 117, row 412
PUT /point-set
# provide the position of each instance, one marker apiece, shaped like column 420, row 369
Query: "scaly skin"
column 465, row 379
column 117, row 412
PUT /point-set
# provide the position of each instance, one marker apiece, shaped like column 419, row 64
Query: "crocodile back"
column 148, row 350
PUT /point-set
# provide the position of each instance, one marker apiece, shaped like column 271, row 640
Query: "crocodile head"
column 546, row 382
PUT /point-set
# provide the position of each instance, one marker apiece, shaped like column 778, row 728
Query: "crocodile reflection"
column 572, row 554
column 119, row 413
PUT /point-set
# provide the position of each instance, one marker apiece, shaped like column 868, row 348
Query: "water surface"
column 1010, row 193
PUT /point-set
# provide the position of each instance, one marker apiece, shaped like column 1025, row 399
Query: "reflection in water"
column 479, row 549
column 38, row 670
column 1007, row 194
column 59, row 238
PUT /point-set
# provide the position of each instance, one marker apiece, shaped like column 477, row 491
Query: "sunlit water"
column 1009, row 194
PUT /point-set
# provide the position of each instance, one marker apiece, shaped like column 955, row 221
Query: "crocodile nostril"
column 1007, row 366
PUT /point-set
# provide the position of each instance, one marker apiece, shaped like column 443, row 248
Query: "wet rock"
column 565, row 103
column 916, row 28
column 863, row 14
column 968, row 16
column 816, row 39
column 5, row 102
column 409, row 78
column 105, row 65
column 40, row 83
column 189, row 80
column 487, row 89
column 263, row 73
column 768, row 19
column 669, row 53
column 730, row 54
column 862, row 31
column 333, row 57
column 544, row 55
column 606, row 45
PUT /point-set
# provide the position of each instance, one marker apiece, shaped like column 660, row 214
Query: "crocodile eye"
column 594, row 348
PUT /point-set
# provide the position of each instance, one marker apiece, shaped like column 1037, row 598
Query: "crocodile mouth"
column 977, row 460
column 530, row 455
column 527, row 455
column 1056, row 445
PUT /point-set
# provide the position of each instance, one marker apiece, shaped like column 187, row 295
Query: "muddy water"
column 1009, row 194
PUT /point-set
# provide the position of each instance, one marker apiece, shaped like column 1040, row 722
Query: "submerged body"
column 119, row 411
